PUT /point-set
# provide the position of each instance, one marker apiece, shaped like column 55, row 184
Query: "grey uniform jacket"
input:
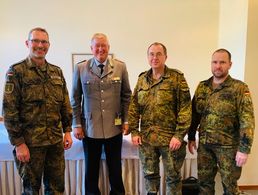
column 100, row 101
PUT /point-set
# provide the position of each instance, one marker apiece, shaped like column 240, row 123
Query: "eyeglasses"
column 157, row 55
column 37, row 41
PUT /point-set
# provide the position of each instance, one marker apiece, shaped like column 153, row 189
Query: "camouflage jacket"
column 163, row 107
column 223, row 116
column 36, row 106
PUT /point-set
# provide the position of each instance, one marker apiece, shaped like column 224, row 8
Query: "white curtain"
column 10, row 183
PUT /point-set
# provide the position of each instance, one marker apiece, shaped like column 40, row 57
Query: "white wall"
column 233, row 33
column 191, row 30
column 238, row 33
column 250, row 171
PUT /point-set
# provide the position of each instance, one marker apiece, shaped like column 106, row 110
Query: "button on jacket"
column 106, row 97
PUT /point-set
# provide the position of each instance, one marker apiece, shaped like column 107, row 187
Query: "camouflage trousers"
column 46, row 161
column 216, row 158
column 172, row 162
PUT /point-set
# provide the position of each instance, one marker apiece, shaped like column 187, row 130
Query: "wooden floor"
column 249, row 192
column 246, row 190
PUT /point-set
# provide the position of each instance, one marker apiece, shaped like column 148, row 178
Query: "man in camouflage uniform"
column 37, row 111
column 161, row 102
column 223, row 115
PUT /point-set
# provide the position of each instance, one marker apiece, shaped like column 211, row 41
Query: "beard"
column 219, row 74
column 39, row 53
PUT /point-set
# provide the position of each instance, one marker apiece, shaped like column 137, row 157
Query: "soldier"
column 223, row 115
column 37, row 111
column 100, row 100
column 161, row 102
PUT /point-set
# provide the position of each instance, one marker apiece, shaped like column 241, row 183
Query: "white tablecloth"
column 10, row 183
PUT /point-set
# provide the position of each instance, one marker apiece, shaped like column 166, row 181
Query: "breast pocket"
column 226, row 104
column 92, row 88
column 33, row 91
column 164, row 95
column 116, row 86
column 57, row 89
column 201, row 103
column 143, row 95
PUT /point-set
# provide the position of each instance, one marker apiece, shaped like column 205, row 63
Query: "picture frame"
column 79, row 57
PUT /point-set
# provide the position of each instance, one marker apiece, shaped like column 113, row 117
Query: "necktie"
column 101, row 66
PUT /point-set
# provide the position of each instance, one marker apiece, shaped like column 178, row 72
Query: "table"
column 10, row 182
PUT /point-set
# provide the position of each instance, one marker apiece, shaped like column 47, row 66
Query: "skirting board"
column 248, row 187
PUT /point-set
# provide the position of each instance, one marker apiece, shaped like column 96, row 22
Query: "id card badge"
column 118, row 120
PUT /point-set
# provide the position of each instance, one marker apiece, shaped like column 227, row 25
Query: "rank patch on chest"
column 116, row 79
column 55, row 77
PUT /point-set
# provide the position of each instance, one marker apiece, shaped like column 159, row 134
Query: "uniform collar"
column 95, row 62
column 98, row 63
column 94, row 66
column 165, row 75
column 32, row 64
column 225, row 83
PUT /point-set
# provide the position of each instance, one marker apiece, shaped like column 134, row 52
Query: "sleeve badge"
column 9, row 88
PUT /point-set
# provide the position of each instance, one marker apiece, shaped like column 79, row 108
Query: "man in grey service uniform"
column 100, row 99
